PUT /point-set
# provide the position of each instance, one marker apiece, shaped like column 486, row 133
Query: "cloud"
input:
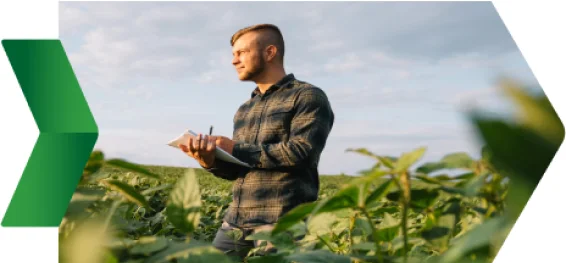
column 168, row 40
column 350, row 62
column 396, row 73
column 71, row 19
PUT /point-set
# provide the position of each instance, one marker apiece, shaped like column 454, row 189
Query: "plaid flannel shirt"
column 281, row 134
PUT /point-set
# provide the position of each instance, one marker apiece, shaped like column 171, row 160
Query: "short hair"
column 273, row 38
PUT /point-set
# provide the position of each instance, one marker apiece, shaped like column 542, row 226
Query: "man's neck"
column 269, row 79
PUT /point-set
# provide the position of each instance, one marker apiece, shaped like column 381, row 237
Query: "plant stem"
column 405, row 183
column 352, row 221
column 374, row 234
column 326, row 244
column 405, row 232
column 111, row 212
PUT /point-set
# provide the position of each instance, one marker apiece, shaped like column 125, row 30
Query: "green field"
column 133, row 205
column 395, row 211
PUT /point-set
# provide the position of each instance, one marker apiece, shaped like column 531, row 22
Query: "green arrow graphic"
column 67, row 128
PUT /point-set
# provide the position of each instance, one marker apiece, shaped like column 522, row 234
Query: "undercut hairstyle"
column 270, row 35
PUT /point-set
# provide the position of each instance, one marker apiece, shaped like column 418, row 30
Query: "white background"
column 535, row 26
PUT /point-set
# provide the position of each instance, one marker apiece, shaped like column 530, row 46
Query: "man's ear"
column 271, row 52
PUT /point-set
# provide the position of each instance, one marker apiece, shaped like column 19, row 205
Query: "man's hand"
column 201, row 149
column 225, row 143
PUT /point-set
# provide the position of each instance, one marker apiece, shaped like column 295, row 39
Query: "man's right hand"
column 201, row 149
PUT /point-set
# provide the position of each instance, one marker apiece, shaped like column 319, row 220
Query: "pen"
column 210, row 132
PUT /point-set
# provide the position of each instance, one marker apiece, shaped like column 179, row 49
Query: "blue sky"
column 398, row 75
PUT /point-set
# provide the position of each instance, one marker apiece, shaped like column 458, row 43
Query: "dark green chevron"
column 67, row 128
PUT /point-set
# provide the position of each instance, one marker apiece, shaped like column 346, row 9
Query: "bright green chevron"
column 67, row 128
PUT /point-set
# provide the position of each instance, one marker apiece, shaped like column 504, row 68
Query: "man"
column 280, row 131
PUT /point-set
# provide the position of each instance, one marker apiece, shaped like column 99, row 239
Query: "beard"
column 257, row 69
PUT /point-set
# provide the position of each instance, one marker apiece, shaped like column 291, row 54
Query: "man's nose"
column 235, row 61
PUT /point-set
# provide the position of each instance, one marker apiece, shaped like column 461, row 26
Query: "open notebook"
column 220, row 154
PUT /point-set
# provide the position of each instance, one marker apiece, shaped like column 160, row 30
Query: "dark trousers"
column 236, row 246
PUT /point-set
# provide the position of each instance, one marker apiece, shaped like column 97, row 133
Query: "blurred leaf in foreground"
column 183, row 207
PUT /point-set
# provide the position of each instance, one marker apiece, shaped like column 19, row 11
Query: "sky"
column 399, row 75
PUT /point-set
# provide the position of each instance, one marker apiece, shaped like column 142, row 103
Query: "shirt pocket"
column 276, row 124
column 279, row 116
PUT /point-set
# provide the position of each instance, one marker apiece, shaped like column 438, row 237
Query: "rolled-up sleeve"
column 226, row 170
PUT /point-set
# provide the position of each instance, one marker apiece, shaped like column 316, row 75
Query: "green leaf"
column 439, row 235
column 347, row 197
column 386, row 258
column 408, row 159
column 389, row 162
column 459, row 160
column 517, row 150
column 318, row 256
column 235, row 234
column 430, row 180
column 420, row 198
column 519, row 153
column 478, row 237
column 465, row 176
column 82, row 199
column 282, row 241
column 444, row 177
column 120, row 163
column 486, row 153
column 389, row 209
column 397, row 244
column 94, row 163
column 262, row 235
column 379, row 192
column 350, row 196
column 148, row 245
column 78, row 210
column 325, row 240
column 364, row 225
column 535, row 113
column 277, row 258
column 454, row 190
column 388, row 228
column 473, row 186
column 470, row 188
column 86, row 243
column 127, row 192
column 388, row 234
column 110, row 258
column 375, row 167
column 435, row 232
column 364, row 246
column 389, row 221
column 363, row 151
column 157, row 188
column 293, row 217
column 183, row 206
column 325, row 223
column 192, row 252
column 120, row 244
column 430, row 167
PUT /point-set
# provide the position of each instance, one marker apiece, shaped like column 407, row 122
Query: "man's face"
column 247, row 57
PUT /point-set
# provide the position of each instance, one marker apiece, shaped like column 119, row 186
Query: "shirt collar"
column 282, row 82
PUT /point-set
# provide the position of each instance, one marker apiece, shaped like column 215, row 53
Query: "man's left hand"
column 225, row 143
